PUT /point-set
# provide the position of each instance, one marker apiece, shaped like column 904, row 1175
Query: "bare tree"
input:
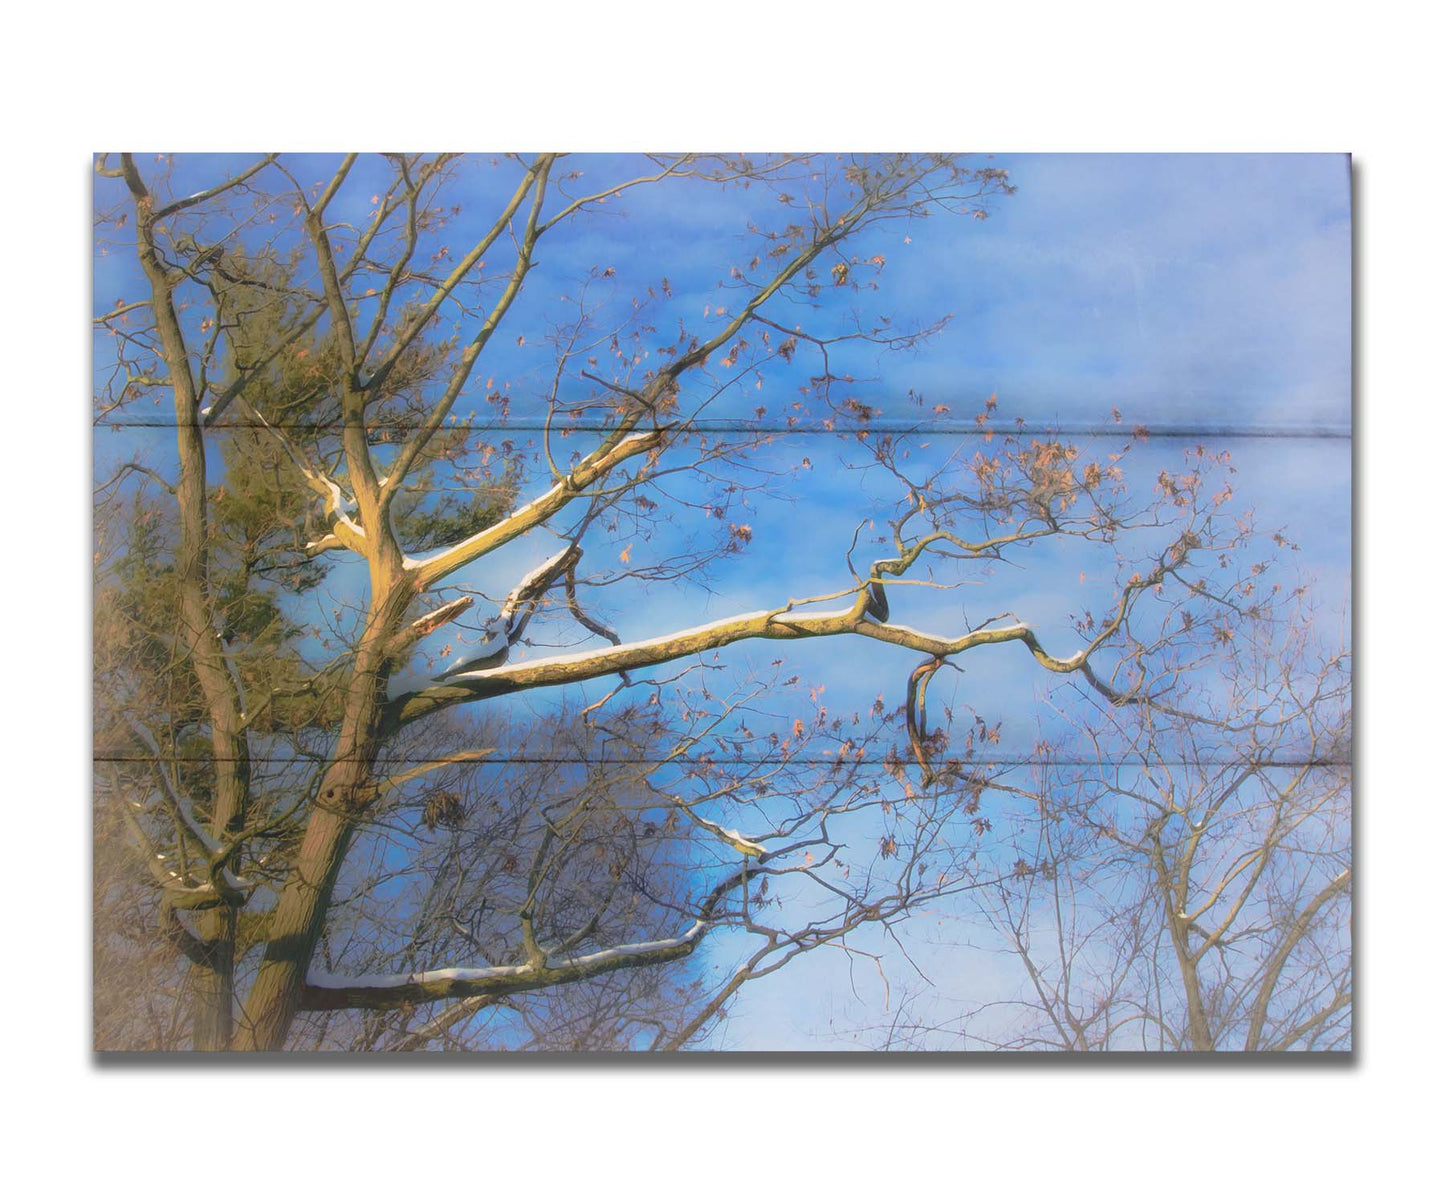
column 1181, row 879
column 269, row 779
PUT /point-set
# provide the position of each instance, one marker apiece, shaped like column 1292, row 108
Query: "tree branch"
column 777, row 624
column 207, row 194
column 328, row 992
column 1260, row 1011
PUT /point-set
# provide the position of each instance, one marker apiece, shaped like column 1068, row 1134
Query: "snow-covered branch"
column 621, row 445
column 517, row 609
column 325, row 992
column 180, row 806
column 729, row 836
column 345, row 531
column 777, row 624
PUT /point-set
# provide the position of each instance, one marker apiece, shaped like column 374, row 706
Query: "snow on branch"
column 517, row 609
column 180, row 805
column 324, row 992
column 729, row 836
column 346, row 531
column 619, row 446
column 518, row 516
column 777, row 624
column 781, row 623
column 439, row 617
column 539, row 577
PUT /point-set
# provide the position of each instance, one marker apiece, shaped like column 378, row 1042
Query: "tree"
column 1181, row 879
column 333, row 851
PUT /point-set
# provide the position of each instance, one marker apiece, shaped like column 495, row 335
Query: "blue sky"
column 1197, row 289
column 1207, row 292
column 1200, row 291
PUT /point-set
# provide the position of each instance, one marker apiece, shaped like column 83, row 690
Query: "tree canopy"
column 415, row 727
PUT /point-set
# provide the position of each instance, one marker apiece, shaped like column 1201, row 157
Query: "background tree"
column 323, row 837
column 1180, row 879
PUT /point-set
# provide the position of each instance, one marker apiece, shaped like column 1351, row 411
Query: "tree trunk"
column 1175, row 894
column 213, row 983
column 345, row 794
column 295, row 929
column 1200, row 1038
